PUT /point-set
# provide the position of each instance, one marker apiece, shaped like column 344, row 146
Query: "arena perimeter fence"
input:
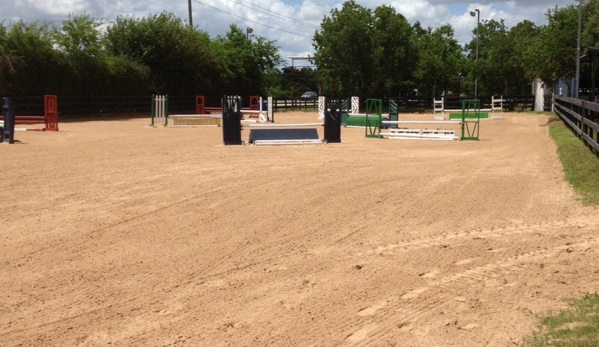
column 420, row 104
column 582, row 117
column 109, row 107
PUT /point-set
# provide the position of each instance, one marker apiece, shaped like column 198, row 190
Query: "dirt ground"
column 113, row 233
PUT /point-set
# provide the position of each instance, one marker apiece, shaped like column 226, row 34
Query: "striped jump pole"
column 159, row 110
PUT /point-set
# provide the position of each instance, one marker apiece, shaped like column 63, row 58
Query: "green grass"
column 297, row 109
column 482, row 115
column 359, row 121
column 581, row 166
column 576, row 326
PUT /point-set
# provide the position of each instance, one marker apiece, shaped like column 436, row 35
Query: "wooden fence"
column 582, row 117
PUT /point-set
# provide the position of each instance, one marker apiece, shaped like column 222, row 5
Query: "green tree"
column 29, row 65
column 521, row 39
column 590, row 21
column 395, row 54
column 555, row 46
column 7, row 63
column 343, row 48
column 178, row 56
column 276, row 85
column 81, row 43
column 440, row 68
column 304, row 79
column 79, row 36
column 359, row 51
column 93, row 70
column 244, row 63
column 499, row 69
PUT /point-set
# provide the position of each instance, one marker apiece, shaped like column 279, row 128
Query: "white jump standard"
column 497, row 107
column 159, row 110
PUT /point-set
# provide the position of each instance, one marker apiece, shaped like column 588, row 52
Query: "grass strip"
column 575, row 326
column 581, row 166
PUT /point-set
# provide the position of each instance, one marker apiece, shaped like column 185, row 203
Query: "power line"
column 318, row 8
column 249, row 20
column 271, row 13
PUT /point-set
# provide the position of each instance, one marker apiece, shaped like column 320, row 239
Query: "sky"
column 290, row 23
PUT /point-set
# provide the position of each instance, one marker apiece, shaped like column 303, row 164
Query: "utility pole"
column 190, row 19
column 577, row 84
column 473, row 13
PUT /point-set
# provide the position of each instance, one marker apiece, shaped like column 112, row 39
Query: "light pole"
column 476, row 12
column 189, row 7
column 577, row 84
column 248, row 31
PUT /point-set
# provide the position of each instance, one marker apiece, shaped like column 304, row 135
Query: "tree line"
column 358, row 51
column 155, row 54
column 364, row 52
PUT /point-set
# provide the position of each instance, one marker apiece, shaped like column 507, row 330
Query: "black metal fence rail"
column 295, row 104
column 28, row 105
column 98, row 106
column 582, row 117
column 74, row 107
column 77, row 107
column 511, row 103
column 416, row 103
